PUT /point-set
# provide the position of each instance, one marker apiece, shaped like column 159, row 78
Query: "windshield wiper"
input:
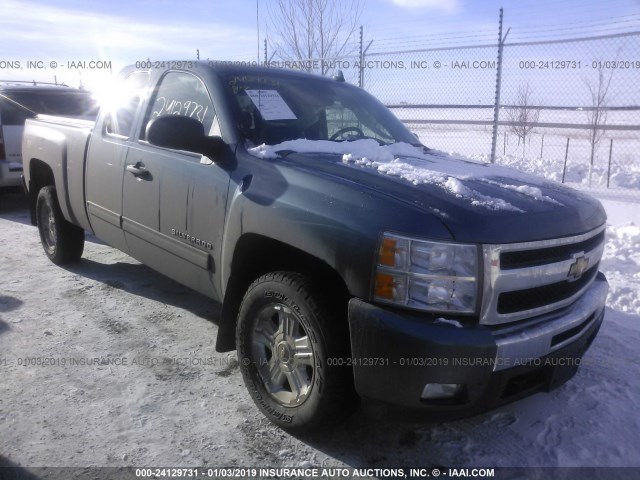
column 284, row 153
column 419, row 145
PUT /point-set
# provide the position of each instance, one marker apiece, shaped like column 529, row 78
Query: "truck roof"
column 29, row 86
column 222, row 66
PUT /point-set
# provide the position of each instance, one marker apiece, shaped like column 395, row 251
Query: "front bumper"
column 396, row 353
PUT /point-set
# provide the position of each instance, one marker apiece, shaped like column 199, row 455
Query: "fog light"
column 441, row 391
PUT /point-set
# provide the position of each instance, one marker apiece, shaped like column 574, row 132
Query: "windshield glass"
column 273, row 107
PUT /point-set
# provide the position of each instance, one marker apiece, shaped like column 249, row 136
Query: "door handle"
column 138, row 170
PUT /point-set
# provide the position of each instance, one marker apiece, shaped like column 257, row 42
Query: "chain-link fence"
column 567, row 109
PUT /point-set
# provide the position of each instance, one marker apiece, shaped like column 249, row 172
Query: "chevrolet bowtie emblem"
column 578, row 268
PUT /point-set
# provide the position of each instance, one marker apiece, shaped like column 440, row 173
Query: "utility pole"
column 363, row 52
column 265, row 53
column 496, row 108
column 258, row 26
column 361, row 55
column 197, row 54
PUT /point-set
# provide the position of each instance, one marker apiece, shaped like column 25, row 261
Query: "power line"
column 528, row 33
column 571, row 31
column 553, row 5
column 587, row 23
column 559, row 11
column 431, row 35
column 463, row 38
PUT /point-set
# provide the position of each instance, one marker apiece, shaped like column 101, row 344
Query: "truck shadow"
column 140, row 280
column 14, row 206
column 7, row 304
column 13, row 471
column 365, row 442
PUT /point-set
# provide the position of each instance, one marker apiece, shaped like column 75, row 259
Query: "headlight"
column 434, row 276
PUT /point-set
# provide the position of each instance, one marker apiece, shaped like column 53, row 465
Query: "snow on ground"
column 621, row 260
column 182, row 404
column 615, row 163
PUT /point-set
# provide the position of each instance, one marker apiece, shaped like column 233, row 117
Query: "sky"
column 50, row 34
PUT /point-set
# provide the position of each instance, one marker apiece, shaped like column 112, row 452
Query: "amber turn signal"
column 387, row 253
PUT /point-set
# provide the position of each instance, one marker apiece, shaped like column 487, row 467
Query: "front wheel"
column 288, row 348
column 63, row 242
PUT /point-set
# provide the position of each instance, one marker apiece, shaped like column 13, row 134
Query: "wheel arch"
column 40, row 175
column 255, row 255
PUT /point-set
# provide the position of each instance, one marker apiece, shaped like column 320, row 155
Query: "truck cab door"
column 106, row 156
column 174, row 201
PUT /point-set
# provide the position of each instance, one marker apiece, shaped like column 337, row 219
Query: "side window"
column 125, row 104
column 180, row 93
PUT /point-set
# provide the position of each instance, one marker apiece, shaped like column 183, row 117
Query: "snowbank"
column 625, row 175
column 621, row 264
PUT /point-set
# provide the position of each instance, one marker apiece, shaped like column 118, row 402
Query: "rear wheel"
column 293, row 352
column 62, row 241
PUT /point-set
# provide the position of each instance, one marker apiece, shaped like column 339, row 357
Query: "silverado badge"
column 192, row 239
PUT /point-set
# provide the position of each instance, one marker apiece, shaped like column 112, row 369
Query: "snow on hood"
column 364, row 148
column 414, row 165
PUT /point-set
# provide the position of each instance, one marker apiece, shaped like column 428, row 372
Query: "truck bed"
column 61, row 143
column 81, row 122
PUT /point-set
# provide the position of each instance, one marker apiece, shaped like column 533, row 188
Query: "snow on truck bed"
column 415, row 165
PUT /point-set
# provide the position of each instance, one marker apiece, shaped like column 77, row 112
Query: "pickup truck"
column 353, row 264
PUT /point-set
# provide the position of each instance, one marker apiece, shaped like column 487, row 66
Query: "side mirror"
column 182, row 133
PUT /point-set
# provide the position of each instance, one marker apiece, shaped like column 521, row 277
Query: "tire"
column 62, row 241
column 287, row 342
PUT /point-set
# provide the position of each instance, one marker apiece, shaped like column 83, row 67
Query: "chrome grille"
column 523, row 280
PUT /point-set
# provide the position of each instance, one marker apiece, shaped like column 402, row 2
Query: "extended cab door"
column 106, row 156
column 174, row 201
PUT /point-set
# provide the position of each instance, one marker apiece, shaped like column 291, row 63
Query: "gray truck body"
column 216, row 226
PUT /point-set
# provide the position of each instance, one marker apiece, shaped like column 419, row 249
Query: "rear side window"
column 125, row 104
column 180, row 93
column 16, row 107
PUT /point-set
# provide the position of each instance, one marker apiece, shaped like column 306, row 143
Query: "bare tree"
column 597, row 114
column 314, row 33
column 523, row 115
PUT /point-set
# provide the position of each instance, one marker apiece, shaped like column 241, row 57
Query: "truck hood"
column 478, row 203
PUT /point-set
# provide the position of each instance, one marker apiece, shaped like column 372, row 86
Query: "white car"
column 22, row 100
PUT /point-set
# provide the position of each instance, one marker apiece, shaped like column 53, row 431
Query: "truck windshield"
column 20, row 105
column 274, row 107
